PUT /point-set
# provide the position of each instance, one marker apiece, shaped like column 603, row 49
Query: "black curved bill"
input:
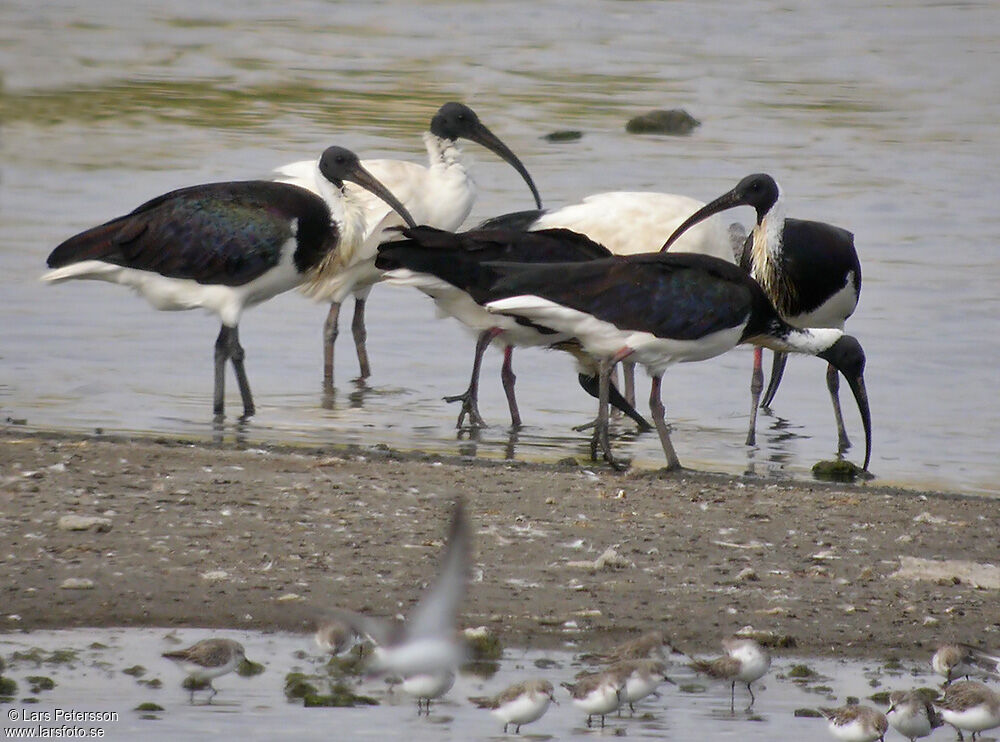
column 857, row 384
column 725, row 201
column 369, row 182
column 848, row 357
column 483, row 136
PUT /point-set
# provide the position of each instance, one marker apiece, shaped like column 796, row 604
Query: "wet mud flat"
column 141, row 531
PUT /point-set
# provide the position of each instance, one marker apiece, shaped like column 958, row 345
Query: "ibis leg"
column 360, row 337
column 833, row 384
column 756, row 384
column 236, row 355
column 221, row 356
column 657, row 412
column 470, row 397
column 777, row 371
column 590, row 385
column 329, row 340
column 628, row 383
column 508, row 378
column 601, row 424
column 752, row 699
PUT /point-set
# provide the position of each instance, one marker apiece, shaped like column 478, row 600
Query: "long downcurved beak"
column 483, row 136
column 369, row 182
column 725, row 201
column 848, row 357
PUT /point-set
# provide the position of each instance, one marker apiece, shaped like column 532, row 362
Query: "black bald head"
column 338, row 164
column 454, row 120
column 759, row 191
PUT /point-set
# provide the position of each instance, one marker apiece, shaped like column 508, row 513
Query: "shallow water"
column 881, row 117
column 694, row 708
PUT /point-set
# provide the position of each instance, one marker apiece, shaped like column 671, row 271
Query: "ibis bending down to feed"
column 447, row 267
column 625, row 223
column 809, row 270
column 659, row 309
column 224, row 247
column 440, row 195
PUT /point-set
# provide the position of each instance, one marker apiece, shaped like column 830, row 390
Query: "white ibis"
column 809, row 270
column 440, row 195
column 660, row 309
column 626, row 223
column 224, row 247
column 447, row 267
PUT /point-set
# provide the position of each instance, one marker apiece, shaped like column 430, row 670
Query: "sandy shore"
column 265, row 537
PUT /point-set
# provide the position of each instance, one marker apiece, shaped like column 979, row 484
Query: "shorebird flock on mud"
column 424, row 652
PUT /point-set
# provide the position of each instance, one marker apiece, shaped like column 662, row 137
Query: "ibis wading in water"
column 659, row 309
column 809, row 270
column 448, row 268
column 625, row 223
column 440, row 195
column 224, row 247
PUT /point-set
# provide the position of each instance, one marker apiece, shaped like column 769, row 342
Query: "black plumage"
column 711, row 304
column 463, row 260
column 809, row 270
column 220, row 246
column 217, row 233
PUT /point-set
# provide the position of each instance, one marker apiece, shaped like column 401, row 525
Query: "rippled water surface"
column 880, row 117
column 694, row 708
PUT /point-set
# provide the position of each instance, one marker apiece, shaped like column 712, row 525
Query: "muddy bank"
column 189, row 535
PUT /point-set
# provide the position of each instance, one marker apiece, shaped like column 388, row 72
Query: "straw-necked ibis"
column 224, row 247
column 624, row 222
column 660, row 309
column 447, row 267
column 440, row 195
column 809, row 270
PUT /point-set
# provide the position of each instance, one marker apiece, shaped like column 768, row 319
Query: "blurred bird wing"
column 437, row 611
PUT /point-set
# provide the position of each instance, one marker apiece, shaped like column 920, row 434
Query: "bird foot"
column 470, row 408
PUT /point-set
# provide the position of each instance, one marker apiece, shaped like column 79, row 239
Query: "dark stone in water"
column 8, row 687
column 297, row 685
column 340, row 696
column 249, row 668
column 674, row 121
column 563, row 135
column 839, row 470
column 808, row 713
column 40, row 683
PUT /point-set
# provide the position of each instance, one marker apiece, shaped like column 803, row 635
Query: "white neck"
column 810, row 341
column 444, row 153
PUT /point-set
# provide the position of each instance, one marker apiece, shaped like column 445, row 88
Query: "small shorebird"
column 970, row 705
column 208, row 659
column 648, row 646
column 521, row 703
column 854, row 723
column 598, row 694
column 426, row 643
column 745, row 661
column 952, row 661
column 640, row 678
column 425, row 687
column 912, row 714
column 335, row 637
